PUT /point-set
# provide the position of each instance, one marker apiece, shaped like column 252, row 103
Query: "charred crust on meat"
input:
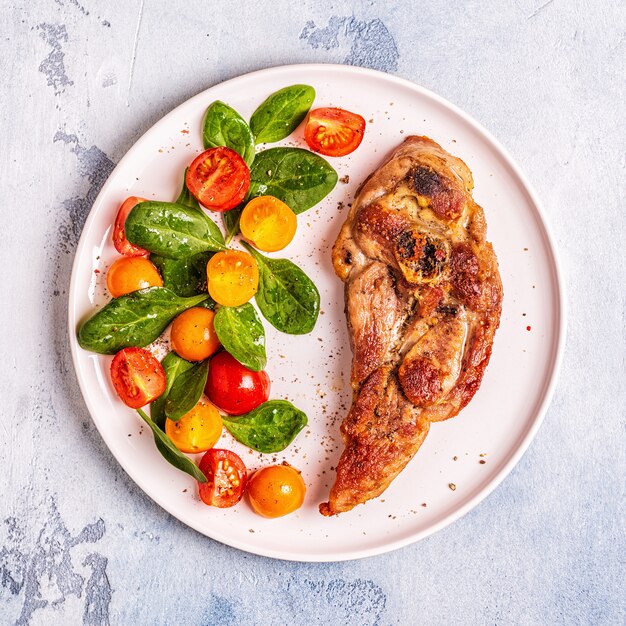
column 426, row 181
column 448, row 310
column 421, row 381
column 347, row 257
column 443, row 194
column 421, row 257
column 464, row 275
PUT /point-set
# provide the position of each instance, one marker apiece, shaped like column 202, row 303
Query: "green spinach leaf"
column 281, row 113
column 271, row 427
column 170, row 452
column 174, row 366
column 287, row 297
column 172, row 230
column 184, row 197
column 241, row 332
column 135, row 319
column 186, row 390
column 297, row 177
column 185, row 277
column 223, row 126
column 231, row 221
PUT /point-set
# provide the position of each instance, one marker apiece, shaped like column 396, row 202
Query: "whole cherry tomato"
column 276, row 490
column 268, row 223
column 226, row 478
column 122, row 245
column 130, row 274
column 334, row 132
column 137, row 377
column 218, row 178
column 193, row 335
column 234, row 388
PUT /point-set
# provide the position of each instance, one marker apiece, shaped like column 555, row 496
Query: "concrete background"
column 81, row 81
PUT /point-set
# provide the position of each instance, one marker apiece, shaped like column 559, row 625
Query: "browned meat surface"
column 423, row 302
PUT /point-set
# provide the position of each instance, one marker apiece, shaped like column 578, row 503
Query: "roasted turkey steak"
column 423, row 302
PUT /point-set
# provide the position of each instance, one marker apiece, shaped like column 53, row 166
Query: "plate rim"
column 549, row 388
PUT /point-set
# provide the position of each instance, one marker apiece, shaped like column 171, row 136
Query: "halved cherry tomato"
column 193, row 335
column 130, row 274
column 233, row 277
column 334, row 132
column 276, row 491
column 196, row 431
column 218, row 178
column 268, row 223
column 226, row 478
column 137, row 377
column 122, row 245
column 234, row 388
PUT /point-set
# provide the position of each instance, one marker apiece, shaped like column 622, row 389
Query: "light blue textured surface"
column 81, row 81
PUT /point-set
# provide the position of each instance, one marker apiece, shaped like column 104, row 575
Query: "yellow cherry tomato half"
column 276, row 490
column 130, row 274
column 196, row 431
column 233, row 277
column 268, row 223
column 193, row 335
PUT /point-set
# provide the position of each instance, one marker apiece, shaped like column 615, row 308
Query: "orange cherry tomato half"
column 334, row 132
column 193, row 335
column 137, row 377
column 234, row 388
column 122, row 245
column 268, row 223
column 130, row 274
column 218, row 178
column 226, row 478
column 232, row 277
column 196, row 431
column 276, row 491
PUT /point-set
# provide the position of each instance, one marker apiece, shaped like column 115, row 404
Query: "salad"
column 177, row 269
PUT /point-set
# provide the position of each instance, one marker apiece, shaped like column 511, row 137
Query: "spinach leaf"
column 297, row 177
column 186, row 390
column 271, row 427
column 135, row 319
column 170, row 452
column 185, row 197
column 185, row 277
column 231, row 221
column 174, row 366
column 223, row 126
column 281, row 113
column 241, row 332
column 172, row 230
column 287, row 297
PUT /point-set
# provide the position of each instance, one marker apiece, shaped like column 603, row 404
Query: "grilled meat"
column 423, row 302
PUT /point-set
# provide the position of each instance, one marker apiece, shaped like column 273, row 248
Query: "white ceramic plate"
column 311, row 370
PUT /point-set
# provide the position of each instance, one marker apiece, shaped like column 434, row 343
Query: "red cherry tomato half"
column 218, row 178
column 234, row 388
column 122, row 245
column 334, row 132
column 137, row 377
column 226, row 478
